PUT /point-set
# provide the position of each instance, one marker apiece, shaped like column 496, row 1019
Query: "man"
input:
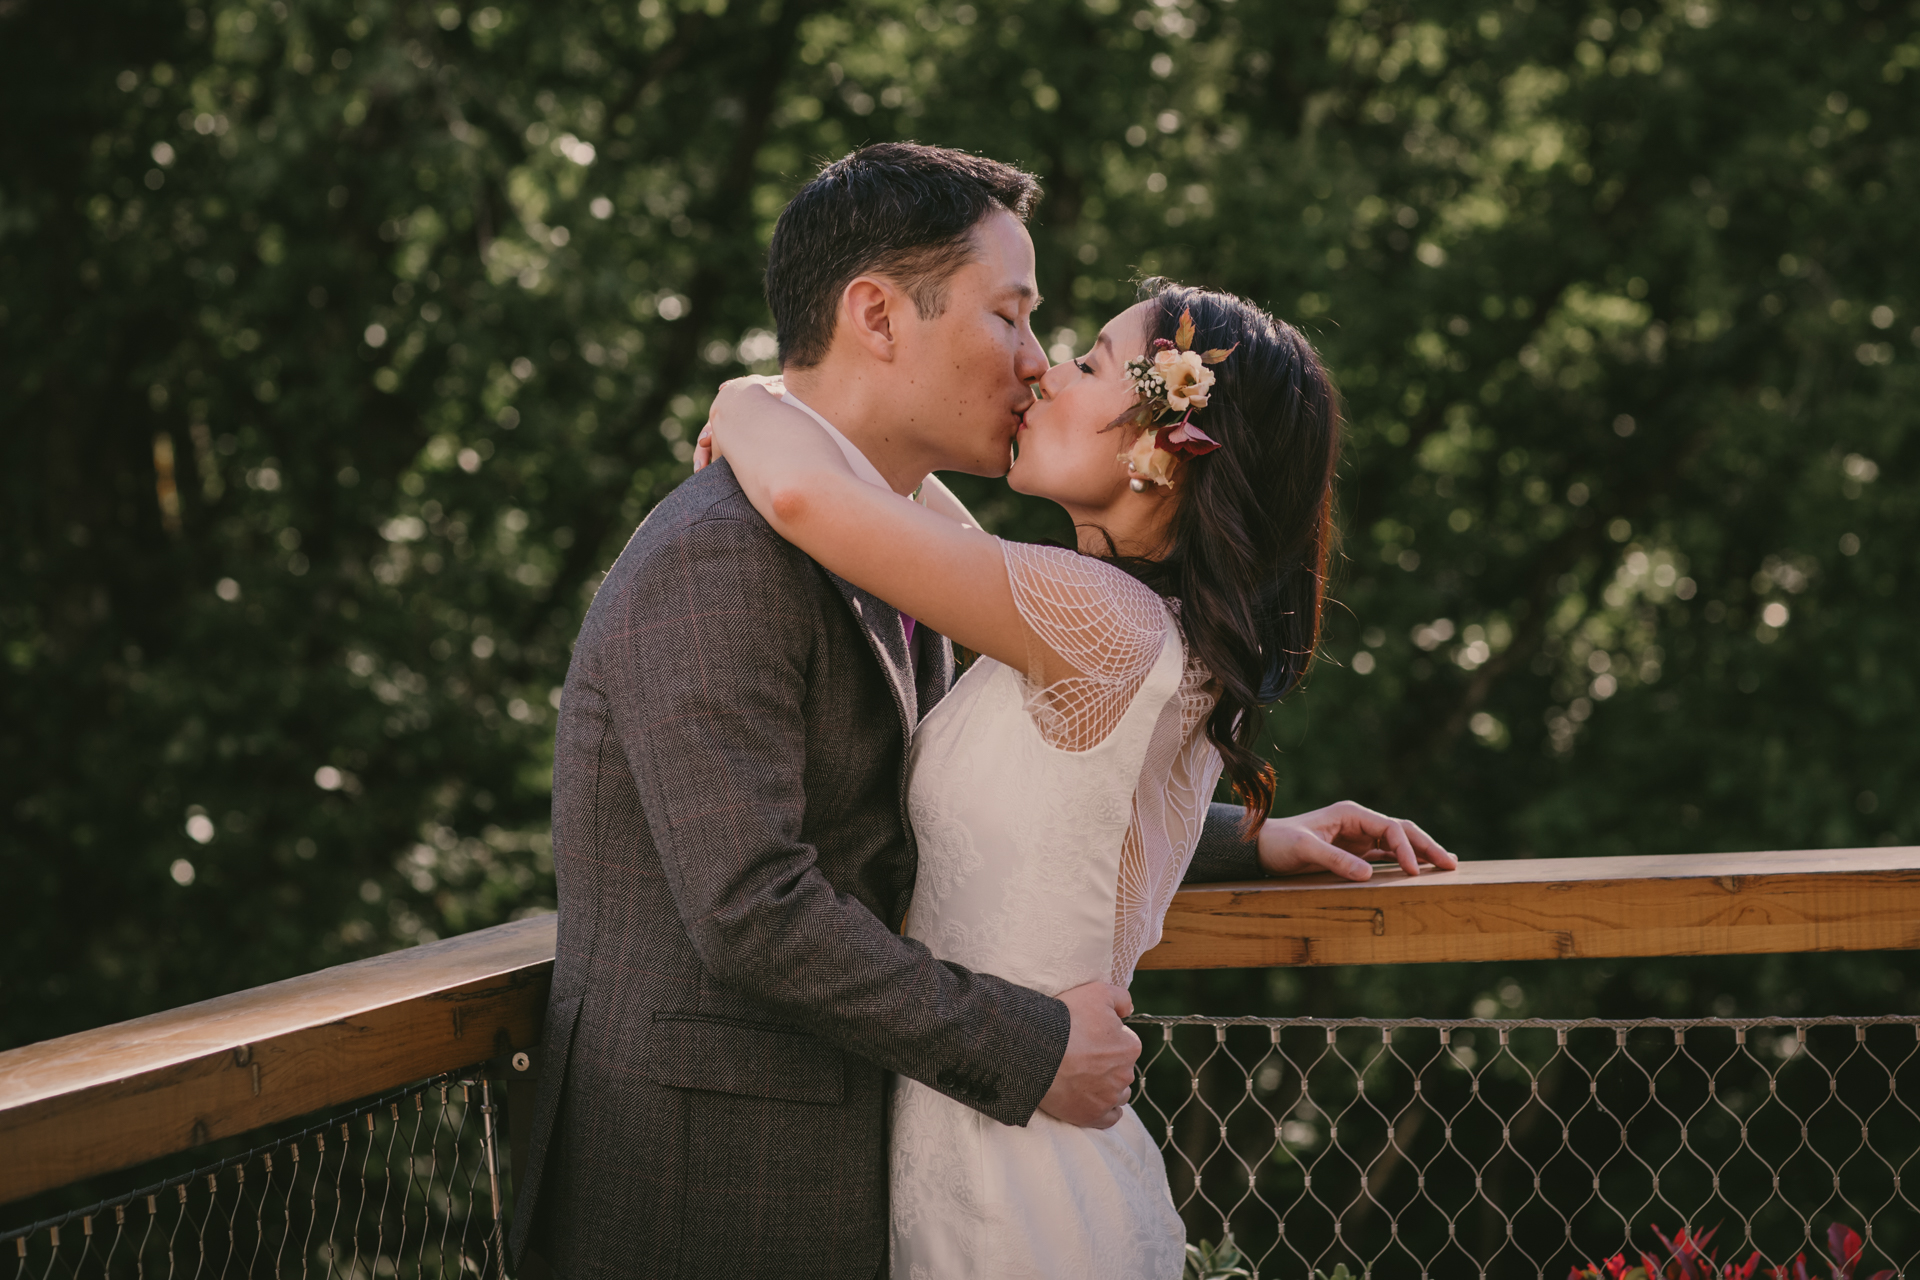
column 731, row 989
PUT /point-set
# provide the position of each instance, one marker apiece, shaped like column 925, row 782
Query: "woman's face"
column 1064, row 451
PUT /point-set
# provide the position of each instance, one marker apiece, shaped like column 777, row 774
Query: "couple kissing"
column 844, row 942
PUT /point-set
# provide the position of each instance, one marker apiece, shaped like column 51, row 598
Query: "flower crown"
column 1170, row 379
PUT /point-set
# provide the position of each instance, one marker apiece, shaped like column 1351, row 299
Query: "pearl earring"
column 1137, row 485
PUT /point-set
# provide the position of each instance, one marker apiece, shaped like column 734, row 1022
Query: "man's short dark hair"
column 893, row 209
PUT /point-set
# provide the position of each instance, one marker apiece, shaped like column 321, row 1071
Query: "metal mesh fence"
column 1526, row 1148
column 402, row 1186
column 1399, row 1148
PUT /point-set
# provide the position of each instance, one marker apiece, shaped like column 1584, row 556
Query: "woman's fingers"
column 1345, row 838
column 771, row 385
column 1359, row 829
column 1401, row 846
column 1290, row 847
column 1356, row 828
column 1332, row 858
column 707, row 449
column 1411, row 846
column 1429, row 848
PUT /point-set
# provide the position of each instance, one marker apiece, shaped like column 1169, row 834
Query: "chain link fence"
column 403, row 1186
column 1525, row 1148
column 1398, row 1148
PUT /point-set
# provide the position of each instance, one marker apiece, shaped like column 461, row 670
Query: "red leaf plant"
column 1689, row 1259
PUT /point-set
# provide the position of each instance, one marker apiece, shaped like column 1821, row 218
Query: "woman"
column 1058, row 792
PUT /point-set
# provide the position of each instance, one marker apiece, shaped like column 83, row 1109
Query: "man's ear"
column 870, row 310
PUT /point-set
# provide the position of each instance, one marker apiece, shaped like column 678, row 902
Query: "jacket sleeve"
column 1223, row 853
column 707, row 679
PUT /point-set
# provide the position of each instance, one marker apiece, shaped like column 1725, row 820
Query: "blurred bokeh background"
column 344, row 342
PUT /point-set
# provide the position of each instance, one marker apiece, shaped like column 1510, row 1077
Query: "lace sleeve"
column 1105, row 625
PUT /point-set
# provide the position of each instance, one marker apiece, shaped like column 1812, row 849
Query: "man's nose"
column 1031, row 360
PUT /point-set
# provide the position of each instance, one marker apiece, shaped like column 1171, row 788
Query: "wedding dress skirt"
column 975, row 1198
column 1052, row 826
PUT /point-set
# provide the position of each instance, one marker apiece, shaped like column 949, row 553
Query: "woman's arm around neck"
column 948, row 575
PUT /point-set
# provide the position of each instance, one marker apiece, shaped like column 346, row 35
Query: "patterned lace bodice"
column 1109, row 627
column 1055, row 811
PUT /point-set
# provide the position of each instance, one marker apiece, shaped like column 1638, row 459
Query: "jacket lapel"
column 916, row 684
column 888, row 640
column 932, row 666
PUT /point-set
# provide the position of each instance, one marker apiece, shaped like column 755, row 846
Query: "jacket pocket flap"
column 687, row 1051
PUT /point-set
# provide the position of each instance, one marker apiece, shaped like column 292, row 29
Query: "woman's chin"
column 1015, row 478
column 1030, row 481
column 1031, row 478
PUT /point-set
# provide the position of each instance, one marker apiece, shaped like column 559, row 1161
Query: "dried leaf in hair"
column 1141, row 415
column 1183, row 336
column 1218, row 354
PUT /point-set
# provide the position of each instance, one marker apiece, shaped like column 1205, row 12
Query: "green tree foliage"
column 346, row 341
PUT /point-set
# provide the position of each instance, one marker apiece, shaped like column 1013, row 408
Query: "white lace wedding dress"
column 1054, row 825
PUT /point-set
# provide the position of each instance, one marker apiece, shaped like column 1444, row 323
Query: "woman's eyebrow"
column 1106, row 342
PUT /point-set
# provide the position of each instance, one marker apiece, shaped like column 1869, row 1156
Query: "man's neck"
column 856, row 410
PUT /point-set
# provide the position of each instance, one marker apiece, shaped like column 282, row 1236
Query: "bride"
column 1057, row 793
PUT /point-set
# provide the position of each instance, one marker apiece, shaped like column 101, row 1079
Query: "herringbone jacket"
column 730, row 988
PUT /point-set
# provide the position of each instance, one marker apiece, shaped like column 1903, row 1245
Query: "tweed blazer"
column 733, row 857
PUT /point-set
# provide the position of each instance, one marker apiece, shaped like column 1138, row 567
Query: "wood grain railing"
column 1704, row 904
column 118, row 1096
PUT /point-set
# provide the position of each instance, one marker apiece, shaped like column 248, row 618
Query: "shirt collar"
column 855, row 459
column 866, row 471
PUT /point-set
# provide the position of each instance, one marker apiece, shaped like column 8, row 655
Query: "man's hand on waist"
column 1095, row 1078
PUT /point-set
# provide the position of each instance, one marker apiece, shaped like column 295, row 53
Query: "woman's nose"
column 1048, row 382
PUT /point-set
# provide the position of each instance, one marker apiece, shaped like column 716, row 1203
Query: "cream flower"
column 1186, row 376
column 1147, row 460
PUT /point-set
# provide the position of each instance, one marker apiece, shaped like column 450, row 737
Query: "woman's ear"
column 868, row 309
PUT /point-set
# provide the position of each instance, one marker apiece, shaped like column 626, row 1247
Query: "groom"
column 731, row 990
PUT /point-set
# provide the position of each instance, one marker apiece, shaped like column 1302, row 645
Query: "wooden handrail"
column 1702, row 904
column 117, row 1096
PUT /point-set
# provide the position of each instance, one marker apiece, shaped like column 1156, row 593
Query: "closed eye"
column 1083, row 367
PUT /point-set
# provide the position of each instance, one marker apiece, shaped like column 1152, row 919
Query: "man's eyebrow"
column 1023, row 291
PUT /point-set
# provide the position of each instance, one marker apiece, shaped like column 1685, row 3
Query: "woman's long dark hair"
column 1253, row 520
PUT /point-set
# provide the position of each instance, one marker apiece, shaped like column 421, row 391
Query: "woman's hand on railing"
column 1346, row 839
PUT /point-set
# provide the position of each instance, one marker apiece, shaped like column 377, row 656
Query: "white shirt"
column 862, row 467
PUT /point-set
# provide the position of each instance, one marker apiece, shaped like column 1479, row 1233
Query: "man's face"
column 964, row 375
